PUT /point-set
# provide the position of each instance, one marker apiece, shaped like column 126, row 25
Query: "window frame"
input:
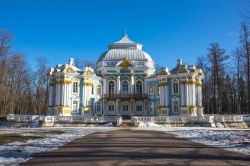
column 111, row 90
column 176, row 88
column 99, row 90
column 75, row 87
column 139, row 87
column 127, row 87
column 75, row 106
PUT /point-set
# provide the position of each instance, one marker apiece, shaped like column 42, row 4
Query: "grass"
column 22, row 137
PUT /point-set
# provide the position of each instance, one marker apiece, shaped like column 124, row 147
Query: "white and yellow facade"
column 125, row 83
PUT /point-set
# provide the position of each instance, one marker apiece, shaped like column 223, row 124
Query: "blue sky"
column 60, row 29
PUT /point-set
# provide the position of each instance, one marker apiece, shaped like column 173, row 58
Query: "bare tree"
column 217, row 59
column 41, row 84
column 246, row 52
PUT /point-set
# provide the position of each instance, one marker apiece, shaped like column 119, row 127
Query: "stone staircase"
column 126, row 121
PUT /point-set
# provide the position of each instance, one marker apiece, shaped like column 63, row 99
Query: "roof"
column 130, row 54
column 125, row 39
column 125, row 48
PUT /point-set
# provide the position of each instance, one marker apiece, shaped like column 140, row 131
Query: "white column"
column 190, row 97
column 182, row 95
column 199, row 95
column 87, row 95
column 167, row 95
column 132, row 83
column 105, row 86
column 84, row 96
column 63, row 94
column 66, row 95
column 69, row 94
column 193, row 95
column 160, row 96
column 187, row 94
column 118, row 85
column 57, row 94
column 163, row 95
column 50, row 95
column 190, row 94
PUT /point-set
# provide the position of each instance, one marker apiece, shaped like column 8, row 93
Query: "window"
column 175, row 87
column 75, row 87
column 99, row 90
column 110, row 64
column 139, row 87
column 92, row 101
column 111, row 107
column 125, row 87
column 139, row 108
column 98, row 107
column 125, row 107
column 111, row 87
column 75, row 106
column 176, row 106
column 92, row 89
column 151, row 90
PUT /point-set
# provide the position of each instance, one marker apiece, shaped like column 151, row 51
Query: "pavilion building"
column 125, row 82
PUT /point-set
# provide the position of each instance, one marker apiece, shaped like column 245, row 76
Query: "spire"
column 125, row 32
column 71, row 62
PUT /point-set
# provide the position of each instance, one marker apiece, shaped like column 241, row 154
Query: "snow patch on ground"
column 237, row 140
column 17, row 152
column 109, row 124
column 148, row 124
column 219, row 125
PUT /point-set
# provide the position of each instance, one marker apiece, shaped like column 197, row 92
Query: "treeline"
column 226, row 85
column 22, row 90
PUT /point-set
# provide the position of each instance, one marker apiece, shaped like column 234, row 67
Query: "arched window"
column 111, row 87
column 139, row 87
column 98, row 106
column 125, row 87
column 99, row 90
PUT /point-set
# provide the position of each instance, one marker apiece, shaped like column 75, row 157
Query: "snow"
column 148, row 124
column 237, row 140
column 218, row 124
column 109, row 124
column 17, row 152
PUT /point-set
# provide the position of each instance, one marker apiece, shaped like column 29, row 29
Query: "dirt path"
column 130, row 147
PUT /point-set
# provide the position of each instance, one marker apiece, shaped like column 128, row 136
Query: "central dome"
column 125, row 48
